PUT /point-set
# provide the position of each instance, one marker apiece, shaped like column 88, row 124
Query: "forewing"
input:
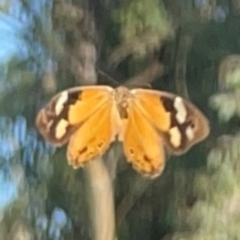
column 94, row 136
column 180, row 123
column 68, row 110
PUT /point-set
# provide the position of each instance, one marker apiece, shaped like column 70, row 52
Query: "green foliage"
column 229, row 72
column 143, row 25
column 227, row 105
column 216, row 214
column 140, row 16
column 233, row 78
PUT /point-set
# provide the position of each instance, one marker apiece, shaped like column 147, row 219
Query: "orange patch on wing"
column 152, row 107
column 93, row 137
column 89, row 101
column 142, row 145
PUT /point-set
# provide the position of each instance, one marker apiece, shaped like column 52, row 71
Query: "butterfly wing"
column 142, row 144
column 179, row 122
column 94, row 136
column 68, row 110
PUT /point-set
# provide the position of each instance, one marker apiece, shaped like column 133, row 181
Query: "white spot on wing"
column 181, row 110
column 61, row 100
column 175, row 136
column 61, row 128
column 190, row 133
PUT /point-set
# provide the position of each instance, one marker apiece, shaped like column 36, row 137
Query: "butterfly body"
column 147, row 122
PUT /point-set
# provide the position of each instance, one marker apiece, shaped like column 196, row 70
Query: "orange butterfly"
column 146, row 121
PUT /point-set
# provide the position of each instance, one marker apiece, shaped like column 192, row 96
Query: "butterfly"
column 149, row 123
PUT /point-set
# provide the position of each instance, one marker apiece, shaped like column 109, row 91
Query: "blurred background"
column 188, row 47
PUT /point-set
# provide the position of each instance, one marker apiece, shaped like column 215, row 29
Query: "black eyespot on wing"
column 100, row 145
column 147, row 159
column 73, row 97
column 83, row 150
column 168, row 104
